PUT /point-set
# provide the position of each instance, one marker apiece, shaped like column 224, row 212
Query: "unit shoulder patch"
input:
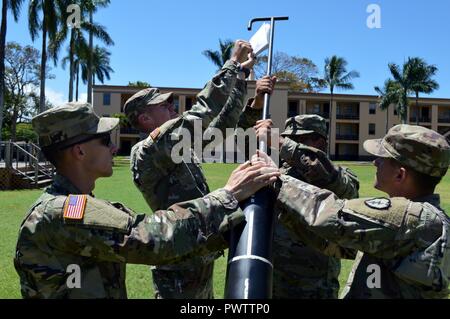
column 75, row 206
column 378, row 203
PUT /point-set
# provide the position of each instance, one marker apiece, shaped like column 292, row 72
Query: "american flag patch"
column 74, row 207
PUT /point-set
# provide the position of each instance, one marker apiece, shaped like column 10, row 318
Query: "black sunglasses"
column 105, row 140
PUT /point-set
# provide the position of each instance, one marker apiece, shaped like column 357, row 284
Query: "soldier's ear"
column 401, row 174
column 77, row 151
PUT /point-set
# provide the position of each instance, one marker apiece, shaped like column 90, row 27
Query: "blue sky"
column 161, row 41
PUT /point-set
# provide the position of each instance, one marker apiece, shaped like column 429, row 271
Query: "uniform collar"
column 63, row 186
column 433, row 199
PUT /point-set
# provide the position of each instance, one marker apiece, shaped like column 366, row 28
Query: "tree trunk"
column 387, row 119
column 417, row 108
column 330, row 122
column 405, row 109
column 78, row 79
column 90, row 60
column 71, row 63
column 42, row 106
column 2, row 61
column 14, row 125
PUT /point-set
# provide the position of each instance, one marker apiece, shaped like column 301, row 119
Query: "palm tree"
column 336, row 76
column 422, row 81
column 51, row 14
column 220, row 57
column 77, row 41
column 101, row 68
column 391, row 93
column 14, row 6
column 92, row 6
column 405, row 78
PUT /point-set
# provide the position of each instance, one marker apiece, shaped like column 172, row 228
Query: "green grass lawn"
column 14, row 205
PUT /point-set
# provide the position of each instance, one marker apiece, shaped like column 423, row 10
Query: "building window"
column 292, row 109
column 395, row 112
column 372, row 108
column 106, row 98
column 176, row 103
column 189, row 103
column 371, row 129
column 316, row 109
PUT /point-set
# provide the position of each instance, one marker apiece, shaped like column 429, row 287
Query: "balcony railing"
column 347, row 116
column 444, row 120
column 324, row 115
column 128, row 130
column 348, row 137
column 421, row 119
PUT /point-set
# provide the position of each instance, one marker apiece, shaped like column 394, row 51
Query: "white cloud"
column 55, row 97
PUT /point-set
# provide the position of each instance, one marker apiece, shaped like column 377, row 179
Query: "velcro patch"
column 75, row 206
column 155, row 133
column 376, row 209
column 378, row 203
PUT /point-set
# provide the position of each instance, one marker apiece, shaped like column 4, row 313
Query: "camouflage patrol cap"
column 417, row 147
column 306, row 124
column 63, row 124
column 151, row 96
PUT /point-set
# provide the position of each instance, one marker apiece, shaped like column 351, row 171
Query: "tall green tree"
column 14, row 7
column 22, row 74
column 301, row 73
column 92, row 6
column 43, row 16
column 336, row 77
column 219, row 57
column 421, row 81
column 101, row 68
column 78, row 45
column 75, row 65
column 404, row 77
column 391, row 93
column 414, row 77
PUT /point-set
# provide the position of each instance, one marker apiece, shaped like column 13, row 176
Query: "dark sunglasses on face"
column 105, row 140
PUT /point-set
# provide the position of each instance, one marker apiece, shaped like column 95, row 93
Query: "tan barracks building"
column 355, row 117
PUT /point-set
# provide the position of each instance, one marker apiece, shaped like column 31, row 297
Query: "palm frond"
column 33, row 18
column 395, row 71
column 98, row 31
column 15, row 6
column 214, row 56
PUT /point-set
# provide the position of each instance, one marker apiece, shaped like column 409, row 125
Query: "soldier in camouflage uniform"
column 300, row 271
column 402, row 241
column 162, row 181
column 73, row 245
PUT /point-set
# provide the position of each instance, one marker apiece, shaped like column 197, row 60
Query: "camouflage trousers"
column 191, row 279
column 300, row 271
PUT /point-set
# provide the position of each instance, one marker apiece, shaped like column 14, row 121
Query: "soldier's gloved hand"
column 264, row 85
column 316, row 168
column 250, row 177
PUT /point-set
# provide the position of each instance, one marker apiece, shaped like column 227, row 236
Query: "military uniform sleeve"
column 215, row 95
column 113, row 233
column 317, row 169
column 382, row 227
column 231, row 112
column 152, row 158
column 249, row 116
